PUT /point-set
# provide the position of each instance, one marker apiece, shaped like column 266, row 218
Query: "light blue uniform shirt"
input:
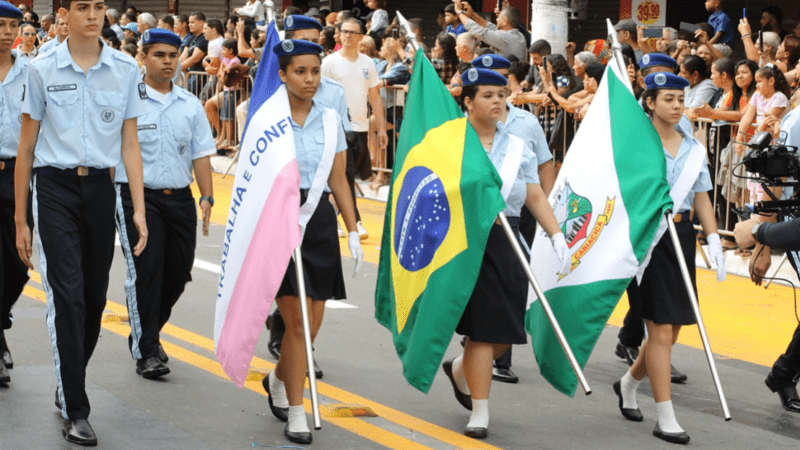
column 331, row 94
column 309, row 140
column 675, row 167
column 524, row 125
column 51, row 44
column 12, row 92
column 527, row 174
column 81, row 114
column 173, row 132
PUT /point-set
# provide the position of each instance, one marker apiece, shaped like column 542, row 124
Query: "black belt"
column 682, row 216
column 304, row 195
column 8, row 163
column 513, row 221
column 80, row 171
column 169, row 191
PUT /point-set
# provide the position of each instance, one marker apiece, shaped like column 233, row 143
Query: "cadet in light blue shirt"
column 310, row 143
column 79, row 121
column 676, row 164
column 527, row 170
column 14, row 70
column 175, row 137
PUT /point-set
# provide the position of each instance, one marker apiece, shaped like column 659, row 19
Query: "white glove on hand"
column 717, row 255
column 354, row 242
column 564, row 256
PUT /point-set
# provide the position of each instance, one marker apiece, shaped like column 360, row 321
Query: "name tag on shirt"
column 62, row 87
column 149, row 126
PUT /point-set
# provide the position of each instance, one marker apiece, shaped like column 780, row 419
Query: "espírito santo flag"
column 609, row 198
column 444, row 197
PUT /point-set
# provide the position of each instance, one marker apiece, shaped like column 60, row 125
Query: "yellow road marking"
column 364, row 429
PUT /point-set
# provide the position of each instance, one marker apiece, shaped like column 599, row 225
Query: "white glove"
column 564, row 256
column 716, row 254
column 354, row 242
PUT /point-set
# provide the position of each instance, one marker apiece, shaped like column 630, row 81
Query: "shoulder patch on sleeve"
column 142, row 91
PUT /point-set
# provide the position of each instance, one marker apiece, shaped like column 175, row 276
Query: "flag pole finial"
column 616, row 51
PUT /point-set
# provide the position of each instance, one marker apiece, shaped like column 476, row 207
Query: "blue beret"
column 296, row 22
column 657, row 59
column 491, row 61
column 479, row 77
column 665, row 80
column 9, row 10
column 161, row 36
column 131, row 27
column 295, row 47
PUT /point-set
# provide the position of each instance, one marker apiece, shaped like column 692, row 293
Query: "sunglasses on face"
column 350, row 33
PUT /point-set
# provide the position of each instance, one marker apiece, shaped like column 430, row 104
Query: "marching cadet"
column 330, row 94
column 175, row 137
column 322, row 171
column 661, row 296
column 495, row 314
column 13, row 74
column 86, row 98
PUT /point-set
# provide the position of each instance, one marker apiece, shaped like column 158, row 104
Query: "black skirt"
column 322, row 259
column 662, row 296
column 496, row 310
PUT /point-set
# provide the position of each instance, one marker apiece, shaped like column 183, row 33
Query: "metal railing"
column 221, row 104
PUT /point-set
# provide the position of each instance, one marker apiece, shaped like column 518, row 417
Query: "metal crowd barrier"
column 222, row 113
column 384, row 159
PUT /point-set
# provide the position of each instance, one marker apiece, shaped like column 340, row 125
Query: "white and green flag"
column 609, row 199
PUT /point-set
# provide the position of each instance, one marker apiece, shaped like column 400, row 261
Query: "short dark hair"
column 216, row 24
column 775, row 12
column 417, row 24
column 198, row 16
column 128, row 41
column 450, row 8
column 596, row 71
column 285, row 60
column 27, row 24
column 356, row 21
column 131, row 49
column 345, row 14
column 182, row 18
column 513, row 16
column 130, row 16
column 694, row 63
column 168, row 19
column 540, row 47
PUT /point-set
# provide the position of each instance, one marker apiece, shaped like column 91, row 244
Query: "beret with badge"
column 482, row 77
column 297, row 22
column 491, row 61
column 657, row 59
column 665, row 80
column 161, row 36
column 296, row 47
column 7, row 10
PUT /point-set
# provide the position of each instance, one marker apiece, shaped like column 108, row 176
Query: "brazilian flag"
column 444, row 197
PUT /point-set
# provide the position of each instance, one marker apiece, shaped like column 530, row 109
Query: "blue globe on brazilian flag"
column 443, row 200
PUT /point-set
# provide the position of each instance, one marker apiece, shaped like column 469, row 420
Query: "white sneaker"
column 362, row 232
column 342, row 233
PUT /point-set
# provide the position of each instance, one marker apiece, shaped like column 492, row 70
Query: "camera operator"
column 786, row 236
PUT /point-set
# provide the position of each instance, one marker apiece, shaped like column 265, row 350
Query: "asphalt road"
column 197, row 407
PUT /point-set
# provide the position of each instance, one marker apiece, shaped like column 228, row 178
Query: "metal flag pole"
column 695, row 306
column 616, row 51
column 312, row 375
column 702, row 253
column 406, row 27
column 545, row 304
column 777, row 269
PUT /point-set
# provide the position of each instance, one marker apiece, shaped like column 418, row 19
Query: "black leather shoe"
column 151, row 368
column 276, row 329
column 281, row 413
column 628, row 413
column 5, row 377
column 787, row 392
column 302, row 437
column 626, row 352
column 162, row 355
column 317, row 371
column 464, row 399
column 476, row 432
column 79, row 432
column 678, row 377
column 504, row 375
column 675, row 438
column 7, row 359
column 58, row 400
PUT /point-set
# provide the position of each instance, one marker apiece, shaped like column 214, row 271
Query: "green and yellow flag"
column 444, row 197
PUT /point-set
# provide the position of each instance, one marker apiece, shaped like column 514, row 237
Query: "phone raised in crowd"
column 760, row 41
column 554, row 79
column 544, row 63
column 687, row 30
column 653, row 32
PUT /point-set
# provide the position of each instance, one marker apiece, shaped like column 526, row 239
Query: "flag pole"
column 616, row 52
column 545, row 304
column 777, row 269
column 695, row 306
column 312, row 375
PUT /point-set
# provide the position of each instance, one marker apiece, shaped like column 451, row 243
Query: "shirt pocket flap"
column 62, row 98
column 147, row 133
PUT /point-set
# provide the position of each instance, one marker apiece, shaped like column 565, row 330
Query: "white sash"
column 510, row 168
column 331, row 133
column 678, row 193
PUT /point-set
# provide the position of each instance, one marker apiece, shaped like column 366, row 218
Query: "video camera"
column 773, row 165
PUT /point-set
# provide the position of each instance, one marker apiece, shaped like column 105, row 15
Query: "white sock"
column 666, row 417
column 297, row 419
column 277, row 391
column 480, row 414
column 458, row 375
column 627, row 387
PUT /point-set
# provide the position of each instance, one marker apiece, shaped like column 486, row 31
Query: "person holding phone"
column 504, row 38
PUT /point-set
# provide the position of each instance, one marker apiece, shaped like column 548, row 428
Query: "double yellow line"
column 355, row 425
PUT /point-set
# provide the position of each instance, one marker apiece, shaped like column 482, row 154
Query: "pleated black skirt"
column 662, row 295
column 496, row 310
column 322, row 259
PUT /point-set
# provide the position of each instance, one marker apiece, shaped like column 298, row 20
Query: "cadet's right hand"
column 24, row 244
column 141, row 227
